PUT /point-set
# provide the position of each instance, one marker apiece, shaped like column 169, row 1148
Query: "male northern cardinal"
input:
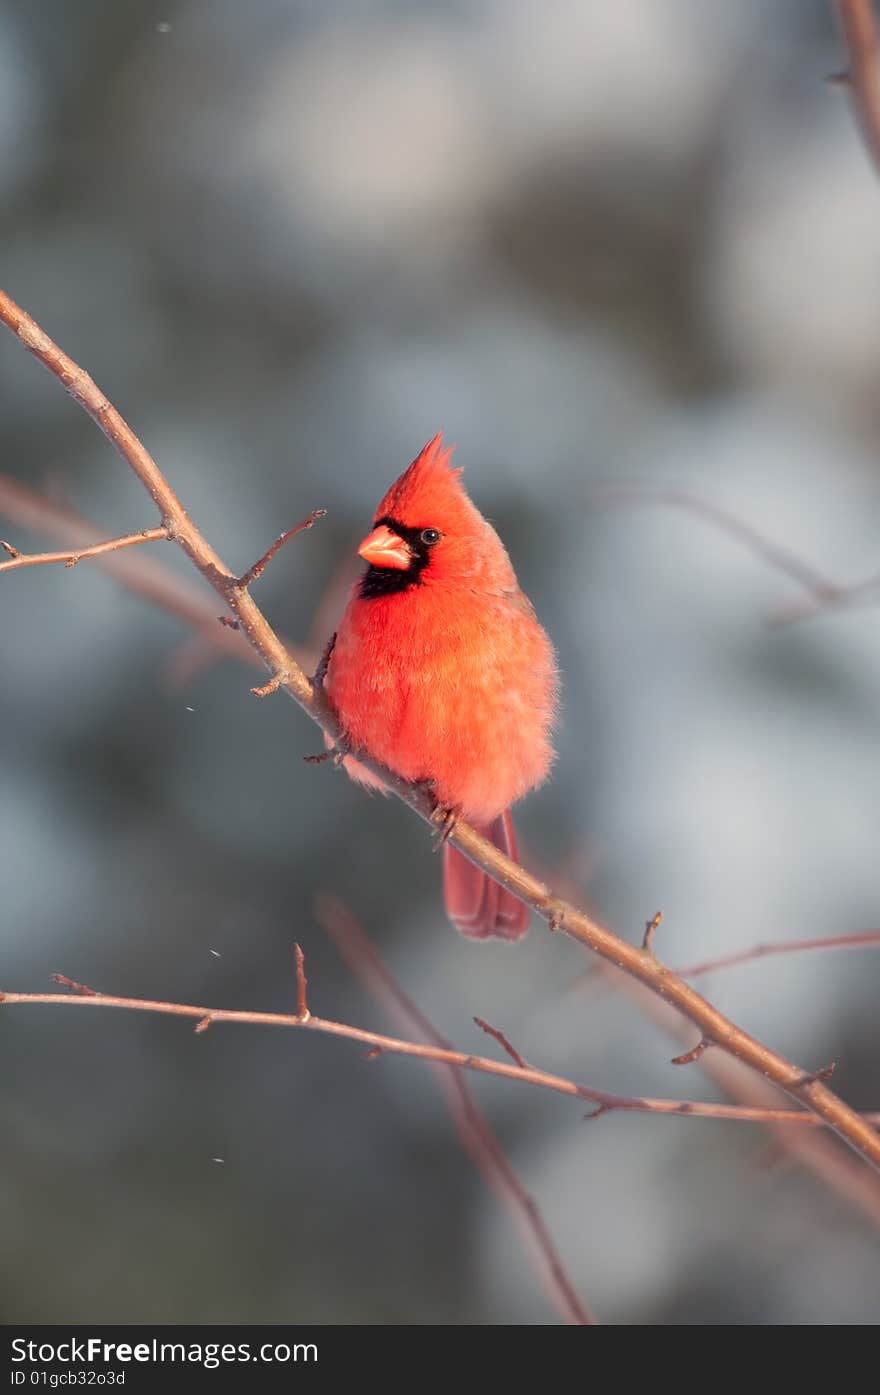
column 441, row 671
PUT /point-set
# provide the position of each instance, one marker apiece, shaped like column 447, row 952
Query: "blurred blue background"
column 599, row 243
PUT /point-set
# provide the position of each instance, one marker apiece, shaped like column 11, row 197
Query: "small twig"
column 503, row 1042
column 650, row 931
column 302, row 984
column 243, row 582
column 76, row 987
column 70, row 559
column 823, row 1073
column 266, row 689
column 688, row 1057
column 861, row 939
column 140, row 571
column 203, row 1024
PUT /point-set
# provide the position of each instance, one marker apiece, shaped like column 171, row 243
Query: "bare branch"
column 502, row 1042
column 861, row 939
column 445, row 1055
column 143, row 574
column 75, row 987
column 302, row 984
column 687, row 1058
column 651, row 927
column 70, row 559
column 712, row 1025
column 260, row 566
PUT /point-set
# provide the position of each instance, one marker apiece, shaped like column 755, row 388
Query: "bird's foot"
column 445, row 819
column 337, row 753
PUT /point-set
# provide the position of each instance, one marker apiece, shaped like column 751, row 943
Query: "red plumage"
column 442, row 672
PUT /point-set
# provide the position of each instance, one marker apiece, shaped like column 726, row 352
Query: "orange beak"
column 385, row 549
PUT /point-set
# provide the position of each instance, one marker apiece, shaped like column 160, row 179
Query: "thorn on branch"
column 274, row 683
column 241, row 583
column 228, row 623
column 820, row 1075
column 650, row 931
column 323, row 664
column 302, row 983
column 7, row 547
column 203, row 1025
column 503, row 1042
column 688, row 1057
column 599, row 1110
column 373, row 1053
column 76, row 987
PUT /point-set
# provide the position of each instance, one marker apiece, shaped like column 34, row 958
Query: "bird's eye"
column 430, row 536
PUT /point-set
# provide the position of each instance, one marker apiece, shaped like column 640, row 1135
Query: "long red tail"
column 475, row 904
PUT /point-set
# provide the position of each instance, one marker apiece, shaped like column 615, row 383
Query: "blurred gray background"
column 597, row 242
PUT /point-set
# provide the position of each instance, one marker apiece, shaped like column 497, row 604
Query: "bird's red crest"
column 426, row 488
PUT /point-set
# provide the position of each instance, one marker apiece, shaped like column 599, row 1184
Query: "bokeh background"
column 611, row 247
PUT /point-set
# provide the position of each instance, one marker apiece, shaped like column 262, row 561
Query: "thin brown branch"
column 502, row 1042
column 146, row 576
column 477, row 1138
column 559, row 914
column 861, row 939
column 260, row 566
column 75, row 987
column 687, row 1058
column 862, row 77
column 302, row 984
column 444, row 1055
column 70, row 559
column 651, row 928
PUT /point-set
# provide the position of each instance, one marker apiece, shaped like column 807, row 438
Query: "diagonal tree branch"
column 641, row 964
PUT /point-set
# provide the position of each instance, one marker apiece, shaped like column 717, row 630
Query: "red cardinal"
column 441, row 671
